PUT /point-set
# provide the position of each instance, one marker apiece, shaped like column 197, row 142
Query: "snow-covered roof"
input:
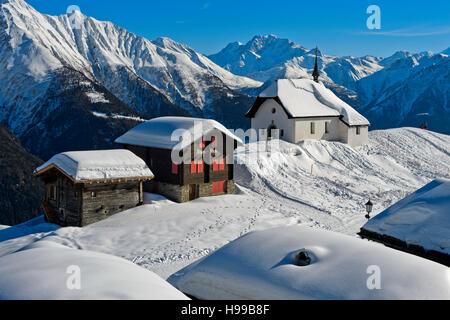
column 98, row 165
column 422, row 218
column 158, row 132
column 40, row 272
column 262, row 265
column 306, row 98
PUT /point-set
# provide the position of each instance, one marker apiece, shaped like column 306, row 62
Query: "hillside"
column 315, row 184
column 20, row 192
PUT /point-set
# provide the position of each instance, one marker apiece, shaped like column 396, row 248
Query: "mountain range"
column 404, row 89
column 55, row 77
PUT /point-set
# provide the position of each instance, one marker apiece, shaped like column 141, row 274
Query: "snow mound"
column 43, row 269
column 422, row 218
column 261, row 265
column 306, row 98
column 97, row 165
column 158, row 132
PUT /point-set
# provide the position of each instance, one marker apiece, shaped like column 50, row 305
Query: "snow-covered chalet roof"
column 306, row 98
column 98, row 165
column 422, row 218
column 157, row 133
column 263, row 265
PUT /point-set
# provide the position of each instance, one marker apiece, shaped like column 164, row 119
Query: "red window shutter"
column 222, row 164
column 174, row 168
column 200, row 167
column 221, row 186
column 214, row 187
column 193, row 167
column 202, row 144
column 215, row 166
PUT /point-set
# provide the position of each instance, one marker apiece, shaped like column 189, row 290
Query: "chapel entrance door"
column 270, row 131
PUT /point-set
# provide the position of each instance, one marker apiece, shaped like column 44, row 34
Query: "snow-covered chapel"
column 305, row 109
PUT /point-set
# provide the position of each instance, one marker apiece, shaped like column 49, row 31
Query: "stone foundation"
column 181, row 193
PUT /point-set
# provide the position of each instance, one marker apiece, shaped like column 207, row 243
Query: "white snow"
column 116, row 116
column 306, row 98
column 316, row 184
column 261, row 265
column 97, row 97
column 158, row 132
column 98, row 165
column 422, row 218
column 43, row 269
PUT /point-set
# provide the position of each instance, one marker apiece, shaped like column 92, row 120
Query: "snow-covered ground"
column 298, row 262
column 316, row 184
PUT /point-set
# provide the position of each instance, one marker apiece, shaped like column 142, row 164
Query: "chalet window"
column 219, row 165
column 174, row 168
column 93, row 194
column 313, row 128
column 358, row 130
column 218, row 186
column 197, row 167
column 274, row 110
column 327, row 130
column 282, row 133
column 193, row 167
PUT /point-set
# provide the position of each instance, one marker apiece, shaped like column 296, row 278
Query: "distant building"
column 207, row 149
column 418, row 224
column 87, row 186
column 300, row 109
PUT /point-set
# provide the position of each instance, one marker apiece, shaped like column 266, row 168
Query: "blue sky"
column 337, row 27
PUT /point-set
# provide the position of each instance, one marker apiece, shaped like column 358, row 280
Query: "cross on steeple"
column 315, row 73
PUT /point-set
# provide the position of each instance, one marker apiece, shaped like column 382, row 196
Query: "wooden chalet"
column 87, row 186
column 206, row 146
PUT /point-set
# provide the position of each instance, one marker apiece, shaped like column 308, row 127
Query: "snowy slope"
column 409, row 91
column 316, row 184
column 267, row 58
column 262, row 265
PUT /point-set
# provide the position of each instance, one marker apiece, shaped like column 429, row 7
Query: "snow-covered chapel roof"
column 157, row 133
column 306, row 98
column 98, row 165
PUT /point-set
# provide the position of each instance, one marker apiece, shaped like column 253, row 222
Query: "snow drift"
column 261, row 265
column 43, row 269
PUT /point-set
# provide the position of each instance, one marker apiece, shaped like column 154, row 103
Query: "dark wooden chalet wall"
column 75, row 206
column 395, row 243
column 160, row 162
column 110, row 199
column 67, row 206
column 176, row 186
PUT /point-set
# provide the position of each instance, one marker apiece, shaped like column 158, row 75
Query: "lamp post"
column 369, row 206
